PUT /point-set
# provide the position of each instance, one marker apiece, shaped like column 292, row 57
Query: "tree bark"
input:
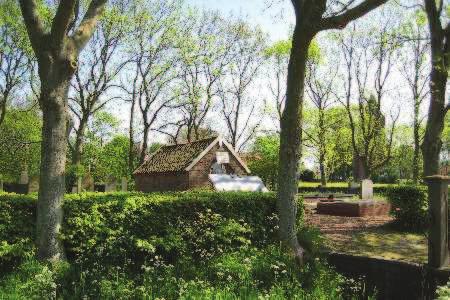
column 131, row 136
column 291, row 124
column 57, row 55
column 416, row 156
column 78, row 148
column 440, row 51
column 53, row 160
column 144, row 144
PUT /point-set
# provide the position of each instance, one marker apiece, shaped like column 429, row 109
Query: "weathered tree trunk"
column 416, row 133
column 323, row 176
column 79, row 141
column 131, row 136
column 322, row 146
column 144, row 144
column 53, row 160
column 440, row 50
column 291, row 124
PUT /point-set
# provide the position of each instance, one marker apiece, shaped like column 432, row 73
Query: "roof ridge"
column 213, row 137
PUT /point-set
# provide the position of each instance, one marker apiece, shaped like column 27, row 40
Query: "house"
column 187, row 166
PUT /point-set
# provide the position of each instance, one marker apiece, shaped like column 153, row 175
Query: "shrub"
column 409, row 206
column 307, row 175
column 443, row 292
column 110, row 229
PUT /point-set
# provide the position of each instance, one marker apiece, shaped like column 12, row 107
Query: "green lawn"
column 382, row 243
column 338, row 184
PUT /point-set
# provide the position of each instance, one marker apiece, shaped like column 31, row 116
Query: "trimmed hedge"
column 112, row 228
column 409, row 206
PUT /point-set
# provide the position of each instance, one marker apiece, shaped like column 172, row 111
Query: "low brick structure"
column 353, row 209
column 186, row 166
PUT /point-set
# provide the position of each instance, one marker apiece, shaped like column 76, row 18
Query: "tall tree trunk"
column 416, row 129
column 323, row 176
column 79, row 141
column 131, row 136
column 440, row 51
column 291, row 124
column 53, row 160
column 144, row 144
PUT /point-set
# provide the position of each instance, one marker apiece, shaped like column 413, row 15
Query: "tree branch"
column 61, row 22
column 33, row 23
column 87, row 26
column 340, row 21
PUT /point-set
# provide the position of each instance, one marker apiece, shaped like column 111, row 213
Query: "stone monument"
column 366, row 191
column 124, row 185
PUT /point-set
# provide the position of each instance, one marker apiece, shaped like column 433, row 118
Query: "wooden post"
column 1, row 184
column 438, row 253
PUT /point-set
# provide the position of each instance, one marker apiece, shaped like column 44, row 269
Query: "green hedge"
column 111, row 228
column 409, row 206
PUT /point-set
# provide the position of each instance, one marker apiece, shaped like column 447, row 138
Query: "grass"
column 382, row 243
column 338, row 184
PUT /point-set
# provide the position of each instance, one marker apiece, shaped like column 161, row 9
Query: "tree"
column 239, row 108
column 277, row 55
column 97, row 74
column 312, row 17
column 205, row 53
column 155, row 36
column 20, row 143
column 440, row 62
column 320, row 88
column 57, row 50
column 368, row 62
column 415, row 53
column 15, row 57
column 263, row 159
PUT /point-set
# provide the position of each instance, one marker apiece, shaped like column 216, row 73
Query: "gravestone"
column 23, row 179
column 124, row 185
column 111, row 185
column 366, row 192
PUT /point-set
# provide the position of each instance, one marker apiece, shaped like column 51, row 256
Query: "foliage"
column 307, row 175
column 110, row 228
column 443, row 292
column 20, row 144
column 173, row 245
column 409, row 206
column 264, row 159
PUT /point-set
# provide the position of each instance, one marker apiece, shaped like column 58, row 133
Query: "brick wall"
column 160, row 182
column 198, row 176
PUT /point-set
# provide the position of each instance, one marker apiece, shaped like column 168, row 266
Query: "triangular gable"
column 221, row 141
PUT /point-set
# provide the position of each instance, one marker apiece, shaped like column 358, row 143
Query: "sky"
column 275, row 18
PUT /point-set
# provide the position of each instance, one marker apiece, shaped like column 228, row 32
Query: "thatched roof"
column 174, row 158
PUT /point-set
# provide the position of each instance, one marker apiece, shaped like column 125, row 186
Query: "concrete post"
column 79, row 185
column 124, row 184
column 438, row 253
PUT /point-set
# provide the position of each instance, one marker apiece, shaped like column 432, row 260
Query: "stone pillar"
column 438, row 253
column 124, row 184
column 79, row 185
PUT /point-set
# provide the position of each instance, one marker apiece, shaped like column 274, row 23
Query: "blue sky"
column 275, row 20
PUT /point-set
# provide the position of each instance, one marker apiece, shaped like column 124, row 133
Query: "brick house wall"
column 198, row 175
column 161, row 182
